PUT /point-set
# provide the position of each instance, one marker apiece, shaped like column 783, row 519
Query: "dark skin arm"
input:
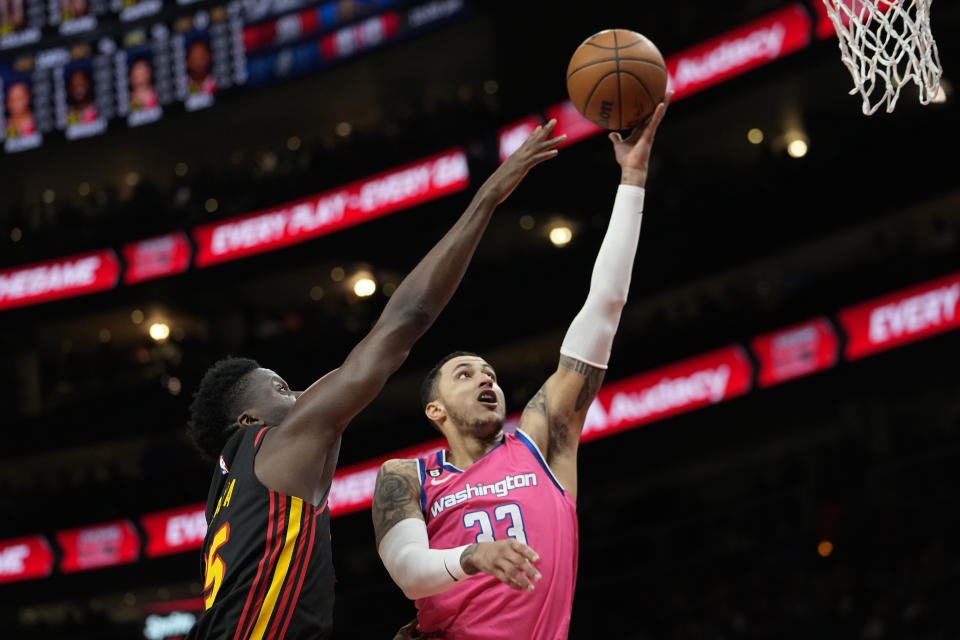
column 294, row 458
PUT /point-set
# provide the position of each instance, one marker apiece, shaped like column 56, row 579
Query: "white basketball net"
column 886, row 44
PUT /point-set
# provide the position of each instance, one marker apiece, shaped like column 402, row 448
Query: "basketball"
column 616, row 78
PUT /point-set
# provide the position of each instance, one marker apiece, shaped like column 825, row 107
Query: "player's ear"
column 249, row 419
column 435, row 411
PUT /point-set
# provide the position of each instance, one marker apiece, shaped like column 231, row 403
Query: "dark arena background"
column 775, row 451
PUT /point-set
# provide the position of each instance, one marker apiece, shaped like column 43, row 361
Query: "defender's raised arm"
column 291, row 459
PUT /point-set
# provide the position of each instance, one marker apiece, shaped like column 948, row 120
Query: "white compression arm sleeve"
column 590, row 336
column 416, row 568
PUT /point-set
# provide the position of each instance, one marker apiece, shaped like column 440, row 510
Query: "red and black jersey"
column 267, row 563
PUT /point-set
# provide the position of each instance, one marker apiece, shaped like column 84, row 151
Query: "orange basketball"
column 616, row 78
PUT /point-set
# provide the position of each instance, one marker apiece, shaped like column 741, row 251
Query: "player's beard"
column 480, row 427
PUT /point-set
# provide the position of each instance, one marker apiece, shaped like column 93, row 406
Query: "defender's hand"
column 507, row 560
column 535, row 149
column 633, row 152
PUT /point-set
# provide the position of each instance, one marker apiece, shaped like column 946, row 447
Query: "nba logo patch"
column 223, row 466
column 434, row 473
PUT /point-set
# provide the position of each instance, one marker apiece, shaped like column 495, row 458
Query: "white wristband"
column 416, row 568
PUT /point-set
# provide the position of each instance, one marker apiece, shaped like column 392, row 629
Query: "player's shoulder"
column 403, row 466
column 398, row 477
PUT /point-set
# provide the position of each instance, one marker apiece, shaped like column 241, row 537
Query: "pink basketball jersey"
column 508, row 493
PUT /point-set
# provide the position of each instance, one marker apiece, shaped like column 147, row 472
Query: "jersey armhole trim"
column 535, row 450
column 422, row 469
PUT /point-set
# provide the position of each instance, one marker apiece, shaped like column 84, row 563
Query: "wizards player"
column 268, row 569
column 459, row 529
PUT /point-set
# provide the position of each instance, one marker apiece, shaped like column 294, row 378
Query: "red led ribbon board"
column 61, row 278
column 157, row 257
column 697, row 382
column 174, row 530
column 795, row 351
column 739, row 50
column 319, row 215
column 103, row 545
column 899, row 318
column 25, row 558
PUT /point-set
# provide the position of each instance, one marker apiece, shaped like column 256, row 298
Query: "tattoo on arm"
column 592, row 379
column 466, row 560
column 538, row 403
column 394, row 497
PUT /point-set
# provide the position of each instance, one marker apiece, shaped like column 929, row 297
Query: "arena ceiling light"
column 797, row 148
column 561, row 235
column 364, row 284
column 159, row 331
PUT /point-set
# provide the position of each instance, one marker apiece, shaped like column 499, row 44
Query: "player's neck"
column 467, row 449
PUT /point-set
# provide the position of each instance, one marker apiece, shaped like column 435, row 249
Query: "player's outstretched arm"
column 313, row 426
column 555, row 416
column 404, row 546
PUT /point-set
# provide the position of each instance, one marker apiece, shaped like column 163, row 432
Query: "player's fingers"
column 521, row 563
column 503, row 576
column 510, row 582
column 525, row 551
column 651, row 124
column 518, row 578
column 528, row 569
column 513, row 557
column 615, row 137
column 545, row 155
column 534, row 136
column 552, row 142
column 635, row 135
column 660, row 111
column 542, row 131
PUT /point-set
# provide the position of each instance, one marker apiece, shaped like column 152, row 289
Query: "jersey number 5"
column 501, row 512
column 214, row 568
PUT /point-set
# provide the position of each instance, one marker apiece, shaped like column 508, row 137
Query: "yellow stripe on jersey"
column 227, row 492
column 226, row 502
column 283, row 566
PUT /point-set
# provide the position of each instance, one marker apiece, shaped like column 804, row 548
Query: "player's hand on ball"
column 633, row 152
column 507, row 560
column 539, row 146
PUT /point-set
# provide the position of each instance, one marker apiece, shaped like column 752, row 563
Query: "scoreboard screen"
column 72, row 69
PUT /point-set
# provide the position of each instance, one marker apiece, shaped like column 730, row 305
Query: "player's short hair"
column 213, row 410
column 428, row 390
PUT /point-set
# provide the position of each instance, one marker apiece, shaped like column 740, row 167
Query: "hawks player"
column 501, row 507
column 268, row 568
